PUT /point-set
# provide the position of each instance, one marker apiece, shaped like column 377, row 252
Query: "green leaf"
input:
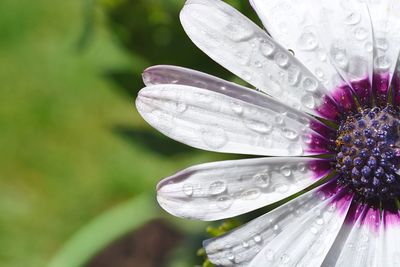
column 104, row 229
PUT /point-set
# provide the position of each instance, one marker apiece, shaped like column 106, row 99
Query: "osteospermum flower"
column 327, row 111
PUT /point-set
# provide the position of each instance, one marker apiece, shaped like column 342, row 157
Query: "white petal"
column 359, row 248
column 386, row 27
column 246, row 50
column 289, row 22
column 216, row 121
column 226, row 189
column 388, row 250
column 345, row 29
column 298, row 233
column 323, row 33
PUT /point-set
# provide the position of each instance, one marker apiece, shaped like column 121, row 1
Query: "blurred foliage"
column 73, row 146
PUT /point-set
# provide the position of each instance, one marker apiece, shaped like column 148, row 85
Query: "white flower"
column 348, row 77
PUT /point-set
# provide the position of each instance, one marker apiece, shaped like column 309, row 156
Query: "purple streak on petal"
column 318, row 144
column 365, row 215
column 391, row 218
column 344, row 96
column 322, row 129
column 342, row 196
column 362, row 88
column 320, row 167
column 380, row 88
column 329, row 109
column 396, row 88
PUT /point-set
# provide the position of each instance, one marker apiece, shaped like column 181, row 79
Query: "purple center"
column 367, row 159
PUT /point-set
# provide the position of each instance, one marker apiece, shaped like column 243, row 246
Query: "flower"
column 331, row 124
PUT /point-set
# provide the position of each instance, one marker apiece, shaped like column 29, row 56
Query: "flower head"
column 326, row 111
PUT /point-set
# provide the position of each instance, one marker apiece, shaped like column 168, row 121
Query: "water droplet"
column 308, row 41
column 214, row 137
column 260, row 127
column 276, row 228
column 290, row 134
column 262, row 179
column 188, row 189
column 285, row 258
column 251, row 194
column 267, row 48
column 281, row 188
column 181, row 107
column 236, row 107
column 257, row 238
column 320, row 221
column 295, row 149
column 217, row 187
column 314, row 230
column 339, row 56
column 301, row 167
column 308, row 101
column 231, row 256
column 383, row 62
column 332, row 207
column 245, row 244
column 310, row 84
column 279, row 118
column 353, row 18
column 320, row 73
column 381, row 44
column 293, row 75
column 258, row 64
column 269, row 254
column 361, row 33
column 281, row 59
column 286, row 171
column 224, row 202
column 369, row 47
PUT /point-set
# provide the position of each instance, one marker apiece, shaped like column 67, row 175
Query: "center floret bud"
column 368, row 156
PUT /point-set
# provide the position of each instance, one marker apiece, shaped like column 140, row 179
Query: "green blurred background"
column 79, row 166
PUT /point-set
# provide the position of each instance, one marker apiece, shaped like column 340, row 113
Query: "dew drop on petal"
column 286, row 171
column 224, row 202
column 290, row 134
column 285, row 258
column 251, row 194
column 267, row 48
column 353, row 18
column 281, row 188
column 236, row 107
column 301, row 167
column 279, row 118
column 214, row 137
column 231, row 256
column 310, row 84
column 293, row 75
column 369, row 47
column 269, row 254
column 260, row 127
column 383, row 63
column 262, row 179
column 308, row 101
column 217, row 187
column 257, row 239
column 281, row 59
column 361, row 33
column 308, row 41
column 188, row 189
